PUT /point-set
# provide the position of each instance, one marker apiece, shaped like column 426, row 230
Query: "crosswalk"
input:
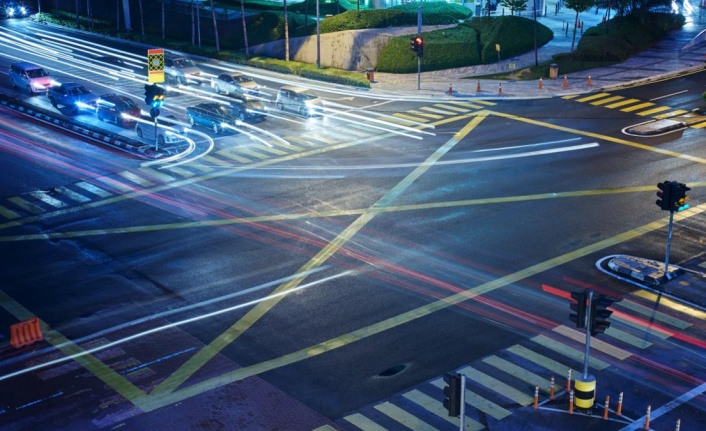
column 86, row 191
column 504, row 381
column 640, row 107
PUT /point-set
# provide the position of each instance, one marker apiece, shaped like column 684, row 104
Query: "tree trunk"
column 163, row 21
column 215, row 26
column 78, row 18
column 573, row 38
column 286, row 33
column 142, row 18
column 245, row 28
column 193, row 24
column 89, row 12
column 117, row 15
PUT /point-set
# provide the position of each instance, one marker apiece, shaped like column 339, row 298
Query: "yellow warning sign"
column 155, row 65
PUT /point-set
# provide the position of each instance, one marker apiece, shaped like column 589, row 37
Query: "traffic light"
column 664, row 194
column 150, row 91
column 159, row 95
column 600, row 314
column 679, row 196
column 417, row 45
column 452, row 392
column 579, row 309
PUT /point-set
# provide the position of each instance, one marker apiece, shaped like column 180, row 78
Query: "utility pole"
column 419, row 57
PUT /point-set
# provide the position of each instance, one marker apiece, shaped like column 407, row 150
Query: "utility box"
column 553, row 71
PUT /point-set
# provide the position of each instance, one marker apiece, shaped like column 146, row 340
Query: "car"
column 165, row 134
column 117, row 109
column 181, row 71
column 235, row 84
column 213, row 115
column 72, row 95
column 14, row 9
column 299, row 100
column 29, row 76
column 248, row 110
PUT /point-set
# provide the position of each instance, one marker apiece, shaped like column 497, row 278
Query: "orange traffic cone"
column 478, row 87
column 500, row 88
column 541, row 85
column 589, row 83
column 566, row 82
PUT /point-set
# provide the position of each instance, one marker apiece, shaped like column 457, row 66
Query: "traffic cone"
column 500, row 88
column 589, row 83
column 566, row 82
column 541, row 85
column 478, row 87
column 451, row 90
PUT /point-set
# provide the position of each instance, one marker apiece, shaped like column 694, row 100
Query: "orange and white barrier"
column 25, row 333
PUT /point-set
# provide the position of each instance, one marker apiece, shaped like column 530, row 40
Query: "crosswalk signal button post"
column 452, row 392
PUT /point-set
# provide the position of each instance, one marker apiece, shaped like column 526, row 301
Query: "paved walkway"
column 681, row 50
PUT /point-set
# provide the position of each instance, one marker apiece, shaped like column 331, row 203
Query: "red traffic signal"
column 664, row 194
column 417, row 45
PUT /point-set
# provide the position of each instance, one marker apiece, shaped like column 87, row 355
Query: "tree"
column 245, row 28
column 215, row 26
column 142, row 17
column 514, row 5
column 78, row 18
column 163, row 21
column 286, row 33
column 89, row 12
column 578, row 6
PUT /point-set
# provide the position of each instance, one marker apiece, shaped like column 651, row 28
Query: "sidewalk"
column 682, row 50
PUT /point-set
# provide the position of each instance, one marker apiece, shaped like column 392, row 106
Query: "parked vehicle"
column 30, row 77
column 213, row 115
column 117, row 109
column 74, row 96
column 165, row 134
column 181, row 71
column 248, row 110
column 299, row 100
column 235, row 84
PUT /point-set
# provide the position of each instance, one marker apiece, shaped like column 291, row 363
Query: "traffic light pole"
column 588, row 335
column 419, row 59
column 669, row 245
column 462, row 423
column 156, row 141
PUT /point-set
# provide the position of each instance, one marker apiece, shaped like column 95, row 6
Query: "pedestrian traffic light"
column 679, row 196
column 452, row 392
column 418, row 43
column 666, row 200
column 600, row 314
column 413, row 44
column 579, row 308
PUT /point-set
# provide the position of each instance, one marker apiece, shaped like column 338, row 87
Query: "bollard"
column 451, row 90
column 568, row 381
column 540, row 87
column 551, row 391
column 565, row 83
column 589, row 83
column 536, row 397
column 647, row 418
column 619, row 411
column 571, row 402
column 678, row 423
column 500, row 88
column 605, row 409
column 478, row 87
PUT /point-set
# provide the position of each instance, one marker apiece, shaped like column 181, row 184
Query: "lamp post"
column 318, row 37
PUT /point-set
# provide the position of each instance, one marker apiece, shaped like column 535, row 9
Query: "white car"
column 181, row 71
column 165, row 134
column 235, row 84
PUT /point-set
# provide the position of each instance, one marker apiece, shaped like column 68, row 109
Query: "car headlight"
column 23, row 10
column 83, row 105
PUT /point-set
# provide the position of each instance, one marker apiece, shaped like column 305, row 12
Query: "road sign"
column 155, row 66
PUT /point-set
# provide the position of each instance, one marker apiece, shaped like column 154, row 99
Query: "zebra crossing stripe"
column 671, row 114
column 454, row 108
column 25, row 205
column 299, row 140
column 673, row 304
column 654, row 314
column 556, row 367
column 438, row 111
column 90, row 188
column 8, row 213
column 643, row 326
column 507, row 391
column 426, row 114
column 592, row 97
column 319, row 138
column 482, row 102
column 653, row 111
column 637, row 107
column 136, row 179
column 698, row 126
column 201, row 167
column 606, row 100
column 227, row 154
column 250, row 152
column 179, row 171
column 76, row 197
column 289, row 147
column 44, row 197
column 153, row 173
column 622, row 103
column 569, row 352
column 403, row 417
column 486, row 406
column 267, row 149
column 434, row 406
column 216, row 161
column 518, row 372
column 363, row 422
column 324, row 428
column 410, row 117
column 116, row 184
column 623, row 336
column 597, row 344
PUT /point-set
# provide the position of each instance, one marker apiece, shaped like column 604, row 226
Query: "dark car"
column 213, row 115
column 73, row 96
column 248, row 110
column 117, row 109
